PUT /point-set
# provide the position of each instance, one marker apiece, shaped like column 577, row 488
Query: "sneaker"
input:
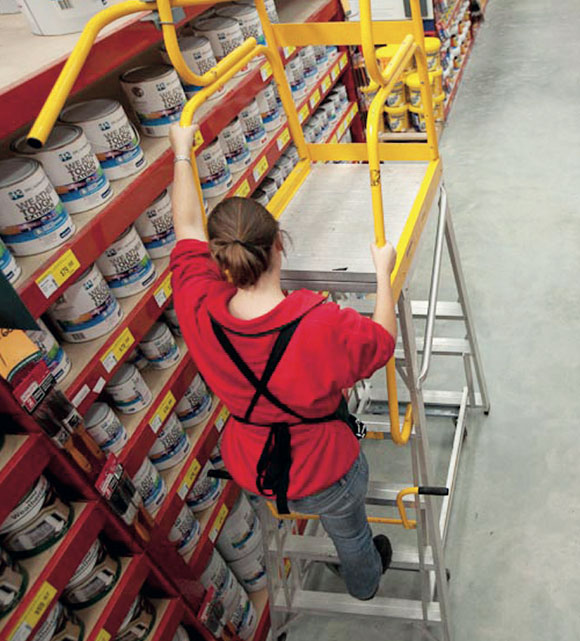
column 384, row 548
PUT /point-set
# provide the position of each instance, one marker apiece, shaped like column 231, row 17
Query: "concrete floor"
column 512, row 170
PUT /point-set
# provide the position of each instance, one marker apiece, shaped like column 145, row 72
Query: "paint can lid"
column 59, row 136
column 89, row 110
column 234, row 10
column 150, row 72
column 13, row 170
column 155, row 332
column 96, row 413
column 214, row 23
column 122, row 375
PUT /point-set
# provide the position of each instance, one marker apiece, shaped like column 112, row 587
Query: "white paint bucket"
column 234, row 145
column 329, row 109
column 224, row 34
column 295, row 76
column 136, row 358
column 95, row 576
column 309, row 64
column 32, row 217
column 250, row 570
column 241, row 531
column 340, row 90
column 261, row 197
column 320, row 54
column 155, row 227
column 214, row 174
column 205, row 491
column 54, row 355
column 292, row 153
column 335, row 99
column 105, row 428
column 323, row 119
column 199, row 57
column 138, row 622
column 8, row 265
column 39, row 520
column 159, row 347
column 156, row 96
column 113, row 137
column 13, row 582
column 316, row 123
column 215, row 457
column 244, row 618
column 128, row 390
column 268, row 106
column 269, row 188
column 277, row 175
column 126, row 265
column 186, row 531
column 219, row 575
column 253, row 127
column 150, row 486
column 181, row 634
column 171, row 318
column 73, row 168
column 248, row 19
column 59, row 18
column 171, row 445
column 270, row 8
column 87, row 309
column 195, row 405
column 285, row 165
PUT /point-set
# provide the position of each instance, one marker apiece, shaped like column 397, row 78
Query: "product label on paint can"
column 186, row 531
column 171, row 445
column 155, row 227
column 108, row 431
column 268, row 106
column 159, row 347
column 195, row 403
column 252, row 126
column 151, row 486
column 56, row 358
column 214, row 174
column 234, row 145
column 295, row 76
column 131, row 394
column 7, row 264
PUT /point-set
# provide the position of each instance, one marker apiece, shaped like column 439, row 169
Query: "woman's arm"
column 384, row 259
column 187, row 210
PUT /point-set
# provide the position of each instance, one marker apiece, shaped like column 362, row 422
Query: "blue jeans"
column 343, row 515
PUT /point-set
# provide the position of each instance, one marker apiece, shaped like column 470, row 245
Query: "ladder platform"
column 314, row 602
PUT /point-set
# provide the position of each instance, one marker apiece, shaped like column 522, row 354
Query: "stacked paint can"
column 205, row 491
column 150, row 486
column 171, row 446
column 234, row 146
column 224, row 33
column 186, row 531
column 253, row 126
column 296, row 79
column 155, row 227
column 159, row 347
column 170, row 316
column 269, row 109
column 195, row 405
column 214, row 173
column 128, row 390
column 105, row 428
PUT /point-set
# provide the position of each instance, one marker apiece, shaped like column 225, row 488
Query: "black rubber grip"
column 220, row 474
column 433, row 491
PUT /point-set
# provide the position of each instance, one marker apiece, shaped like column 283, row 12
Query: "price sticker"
column 334, row 72
column 303, row 113
column 342, row 61
column 118, row 349
column 283, row 139
column 37, row 607
column 243, row 190
column 189, row 479
column 325, row 84
column 314, row 99
column 266, row 71
column 218, row 523
column 288, row 51
column 103, row 635
column 198, row 142
column 261, row 168
column 164, row 291
column 162, row 411
column 333, row 139
column 222, row 418
column 58, row 273
column 354, row 109
column 341, row 128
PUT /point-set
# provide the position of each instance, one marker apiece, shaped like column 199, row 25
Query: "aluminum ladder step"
column 444, row 310
column 442, row 398
column 329, row 603
column 442, row 346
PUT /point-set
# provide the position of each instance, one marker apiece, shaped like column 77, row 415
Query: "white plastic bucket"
column 329, row 109
column 195, row 405
column 136, row 358
column 277, row 175
column 215, row 457
column 59, row 18
column 296, row 80
column 159, row 347
column 171, row 445
column 244, row 618
column 32, row 216
column 128, row 390
column 269, row 188
column 205, row 491
column 234, row 146
column 156, row 96
column 323, row 118
column 70, row 163
column 114, row 139
column 105, row 428
column 150, row 486
column 54, row 355
column 8, row 265
column 87, row 309
column 224, row 34
column 241, row 532
column 292, row 153
column 126, row 265
column 250, row 570
column 219, row 575
column 309, row 64
column 285, row 165
column 270, row 8
column 155, row 227
column 171, row 318
column 248, row 19
column 268, row 106
column 214, row 174
column 320, row 54
column 186, row 531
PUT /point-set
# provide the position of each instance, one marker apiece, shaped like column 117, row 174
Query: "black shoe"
column 384, row 548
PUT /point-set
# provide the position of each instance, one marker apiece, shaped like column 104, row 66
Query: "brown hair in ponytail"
column 241, row 236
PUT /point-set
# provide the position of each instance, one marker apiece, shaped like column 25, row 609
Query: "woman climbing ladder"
column 280, row 364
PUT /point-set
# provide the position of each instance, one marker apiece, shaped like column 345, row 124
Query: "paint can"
column 136, row 358
column 224, row 34
column 128, row 390
column 8, row 265
column 261, row 197
column 234, row 146
column 205, row 491
column 54, row 355
column 39, row 520
column 250, row 570
column 48, row 628
column 241, row 532
column 156, row 95
column 309, row 64
column 200, row 58
column 195, row 405
column 285, row 165
column 87, row 309
column 215, row 457
column 155, row 227
column 59, row 18
column 150, row 486
column 186, row 531
column 69, row 627
column 159, row 347
column 126, row 265
column 248, row 19
column 13, row 583
column 244, row 618
column 94, row 578
column 270, row 8
column 292, row 154
column 253, row 127
column 171, row 317
column 320, row 55
column 316, row 123
column 171, row 445
column 138, row 622
column 214, row 174
column 269, row 188
column 323, row 118
column 72, row 167
column 105, row 428
column 181, row 634
column 340, row 90
column 268, row 106
column 219, row 576
column 113, row 137
column 295, row 76
column 329, row 109
column 397, row 118
column 32, row 217
column 277, row 175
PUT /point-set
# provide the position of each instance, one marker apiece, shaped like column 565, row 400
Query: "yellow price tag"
column 118, row 349
column 314, row 99
column 261, row 168
column 342, row 61
column 333, row 139
column 162, row 411
column 222, row 418
column 164, row 291
column 334, row 72
column 354, row 109
column 283, row 139
column 218, row 523
column 40, row 602
column 103, row 635
column 341, row 129
column 288, row 51
column 266, row 70
column 198, row 140
column 189, row 479
column 243, row 190
column 303, row 113
column 325, row 84
column 58, row 273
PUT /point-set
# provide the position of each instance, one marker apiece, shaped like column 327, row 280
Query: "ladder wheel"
column 447, row 574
